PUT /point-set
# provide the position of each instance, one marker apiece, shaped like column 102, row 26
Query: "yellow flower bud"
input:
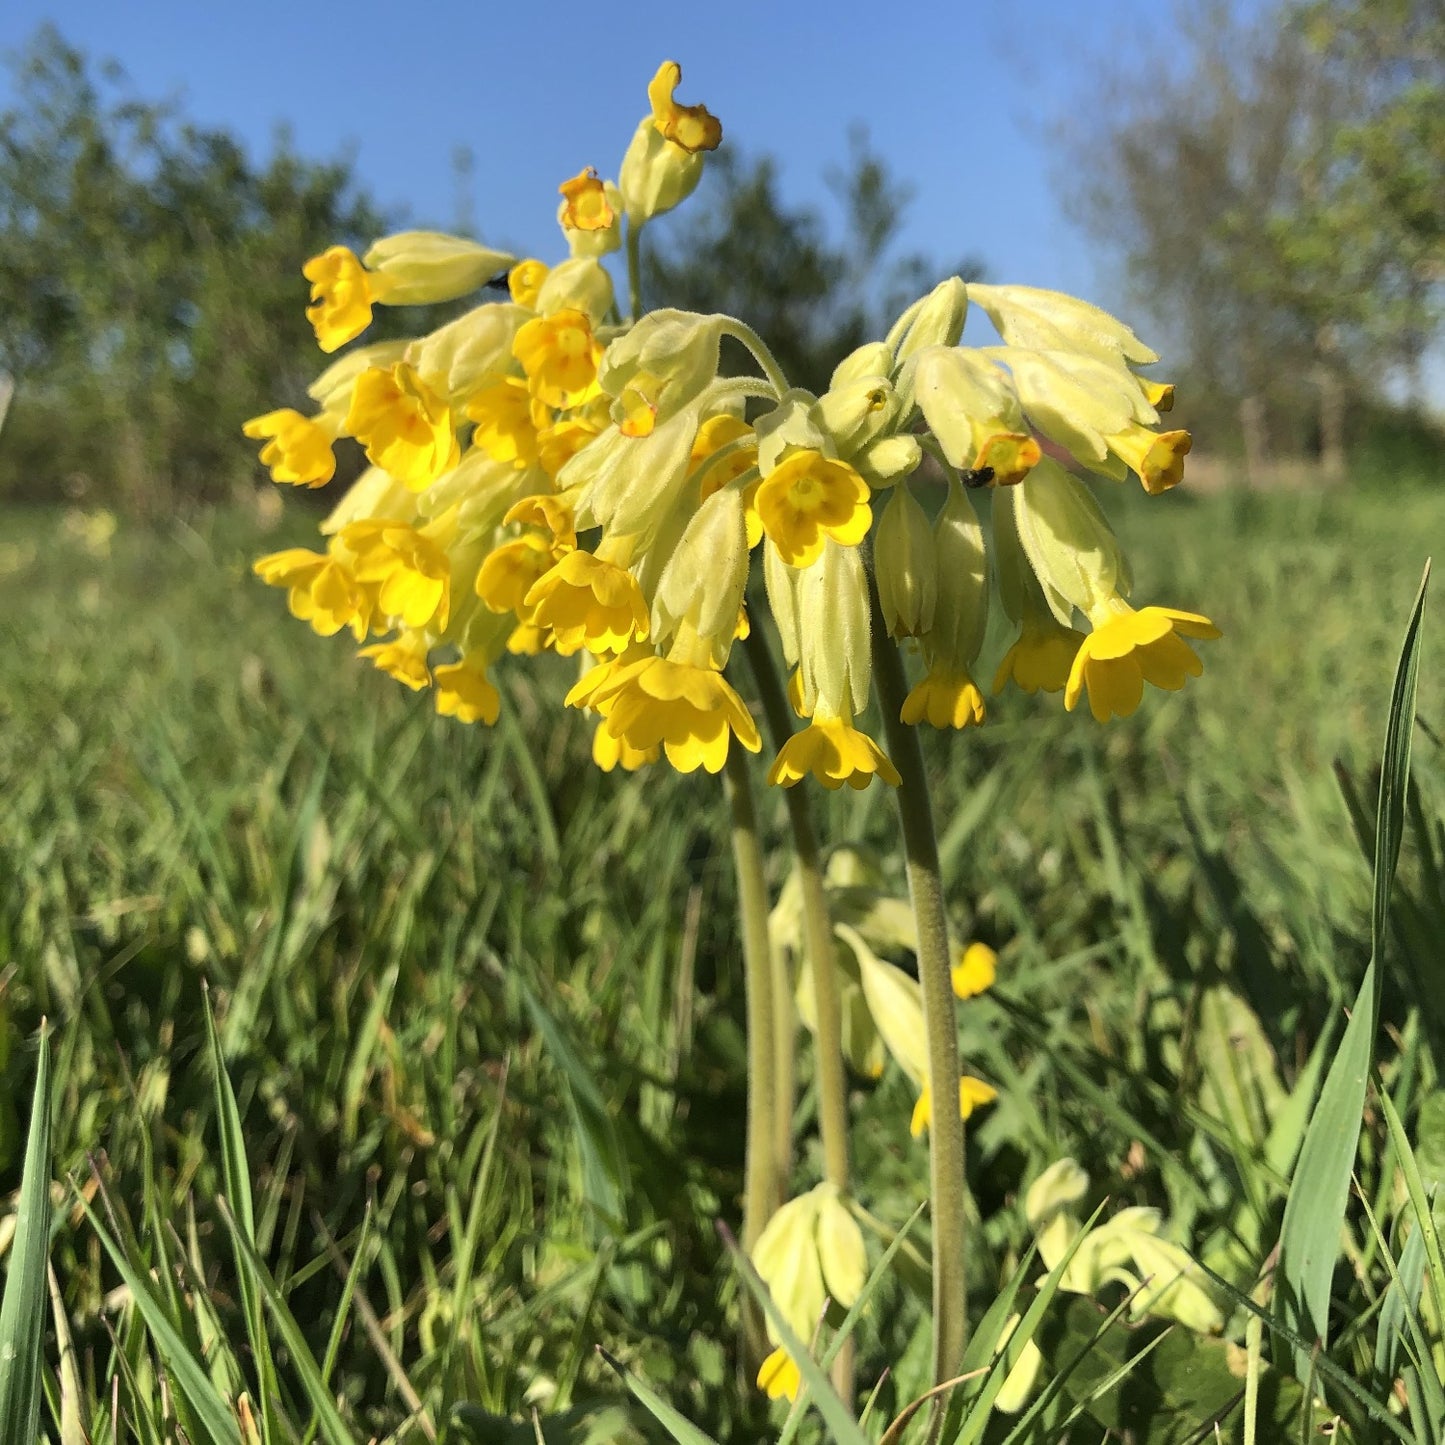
column 332, row 389
column 581, row 284
column 702, row 585
column 888, row 460
column 856, row 413
column 469, row 353
column 1068, row 541
column 836, row 632
column 938, row 321
column 875, row 358
column 674, row 352
column 1052, row 321
column 421, row 267
column 905, row 564
column 956, row 390
column 656, row 175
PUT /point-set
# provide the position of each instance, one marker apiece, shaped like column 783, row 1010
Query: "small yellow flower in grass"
column 402, row 658
column 808, row 497
column 690, row 126
column 465, row 692
column 588, row 602
column 524, row 281
column 1041, row 656
column 689, row 710
column 834, row 752
column 559, row 353
column 971, row 1093
column 322, row 590
column 974, row 970
column 410, row 569
column 585, row 206
column 508, row 419
column 298, row 451
column 404, row 425
column 1157, row 457
column 947, row 697
column 779, row 1378
column 510, row 571
column 1126, row 649
column 342, row 293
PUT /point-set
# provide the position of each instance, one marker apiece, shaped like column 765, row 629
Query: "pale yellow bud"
column 938, row 321
column 888, row 460
column 836, row 633
column 461, row 357
column 421, row 267
column 840, row 1247
column 674, row 352
column 792, row 424
column 332, row 389
column 960, row 614
column 905, row 564
column 857, row 413
column 1052, row 321
column 702, row 585
column 626, row 484
column 873, row 359
column 656, row 174
column 581, row 284
column 782, row 584
column 1068, row 541
column 955, row 390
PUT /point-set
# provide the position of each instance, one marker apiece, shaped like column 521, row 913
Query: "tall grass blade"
column 22, row 1314
column 1315, row 1209
column 682, row 1430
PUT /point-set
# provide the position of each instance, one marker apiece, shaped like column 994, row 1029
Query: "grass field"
column 473, row 994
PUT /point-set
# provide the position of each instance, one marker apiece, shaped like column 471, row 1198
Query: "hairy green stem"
column 741, row 331
column 945, row 1129
column 760, row 1191
column 634, row 270
column 818, row 945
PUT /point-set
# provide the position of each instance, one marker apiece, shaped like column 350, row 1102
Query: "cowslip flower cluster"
column 549, row 474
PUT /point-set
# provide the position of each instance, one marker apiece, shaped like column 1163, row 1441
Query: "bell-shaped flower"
column 905, row 564
column 1053, row 321
column 590, row 214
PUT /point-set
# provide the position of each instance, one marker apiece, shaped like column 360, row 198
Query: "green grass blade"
column 682, row 1430
column 1401, row 1303
column 1424, row 1217
column 22, row 1314
column 1319, row 1192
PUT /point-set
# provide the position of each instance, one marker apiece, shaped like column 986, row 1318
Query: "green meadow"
column 481, row 1006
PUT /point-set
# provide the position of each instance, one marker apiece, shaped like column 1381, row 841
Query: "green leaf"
column 682, row 1430
column 22, row 1314
column 1315, row 1209
column 1430, row 1140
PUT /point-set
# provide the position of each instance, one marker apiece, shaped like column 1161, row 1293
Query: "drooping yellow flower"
column 1157, row 457
column 560, row 442
column 1009, row 455
column 559, row 353
column 610, row 751
column 588, row 602
column 585, row 203
column 466, row 693
column 1126, row 649
column 411, row 571
column 778, row 1377
column 808, row 497
column 690, row 126
column 508, row 418
column 690, row 710
column 551, row 514
column 971, row 1093
column 402, row 658
column 524, row 281
column 298, row 451
column 974, row 970
column 322, row 590
column 342, row 294
column 510, row 571
column 404, row 425
column 947, row 697
column 834, row 752
column 1041, row 656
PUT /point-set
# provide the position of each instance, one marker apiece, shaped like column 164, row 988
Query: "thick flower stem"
column 818, row 944
column 761, row 1195
column 945, row 1130
column 634, row 270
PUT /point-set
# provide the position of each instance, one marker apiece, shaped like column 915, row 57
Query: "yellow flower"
column 322, row 590
column 808, row 497
column 410, row 570
column 510, row 571
column 588, row 602
column 1126, row 649
column 465, row 692
column 778, row 1377
column 714, row 434
column 974, row 971
column 688, row 126
column 946, row 698
column 690, row 710
column 585, row 204
column 560, row 442
column 834, row 752
column 1157, row 457
column 971, row 1093
column 342, row 294
column 1009, row 455
column 403, row 658
column 549, row 513
column 610, row 751
column 404, row 425
column 559, row 353
column 299, row 447
column 1041, row 655
column 524, row 281
column 508, row 419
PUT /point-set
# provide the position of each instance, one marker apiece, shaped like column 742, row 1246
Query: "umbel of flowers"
column 548, row 473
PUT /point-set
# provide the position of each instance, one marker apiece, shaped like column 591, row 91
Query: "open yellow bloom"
column 971, row 1093
column 298, row 451
column 946, row 698
column 1041, row 655
column 690, row 126
column 808, row 497
column 508, row 419
column 466, row 693
column 1009, row 455
column 690, row 710
column 1126, row 649
column 1157, row 457
column 402, row 658
column 524, row 281
column 559, row 353
column 411, row 572
column 778, row 1376
column 585, row 204
column 404, row 425
column 342, row 294
column 610, row 751
column 588, row 602
column 834, row 752
column 974, row 970
column 551, row 514
column 510, row 571
column 321, row 590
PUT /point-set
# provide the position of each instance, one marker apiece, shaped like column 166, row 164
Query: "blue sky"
column 960, row 99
